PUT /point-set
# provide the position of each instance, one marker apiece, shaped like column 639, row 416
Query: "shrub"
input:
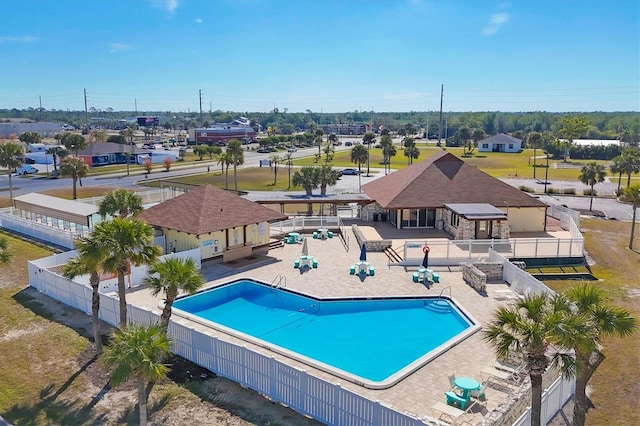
column 552, row 191
column 569, row 191
column 588, row 192
column 525, row 188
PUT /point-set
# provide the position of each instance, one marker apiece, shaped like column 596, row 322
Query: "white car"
column 292, row 149
column 26, row 169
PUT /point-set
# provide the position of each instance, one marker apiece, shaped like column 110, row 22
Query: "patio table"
column 306, row 261
column 295, row 235
column 466, row 384
column 324, row 232
column 425, row 274
column 363, row 267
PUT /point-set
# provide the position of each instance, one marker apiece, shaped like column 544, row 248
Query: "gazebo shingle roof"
column 444, row 179
column 207, row 209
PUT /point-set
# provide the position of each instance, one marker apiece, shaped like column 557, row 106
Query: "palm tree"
column 628, row 162
column 591, row 174
column 127, row 242
column 359, row 155
column 368, row 138
column 387, row 149
column 328, row 152
column 234, row 148
column 571, row 127
column 318, row 139
column 76, row 168
column 275, row 159
column 534, row 139
column 536, row 328
column 5, row 254
column 90, row 257
column 170, row 276
column 225, row 160
column 139, row 352
column 632, row 195
column 55, row 152
column 327, row 177
column 411, row 152
column 122, row 203
column 605, row 321
column 11, row 155
column 287, row 158
column 308, row 178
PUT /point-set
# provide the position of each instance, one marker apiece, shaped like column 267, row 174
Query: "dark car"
column 350, row 172
column 348, row 143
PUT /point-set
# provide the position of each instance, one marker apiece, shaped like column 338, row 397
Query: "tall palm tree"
column 328, row 152
column 536, row 328
column 318, row 139
column 224, row 160
column 139, row 352
column 75, row 168
column 368, row 138
column 387, row 148
column 605, row 321
column 11, row 157
column 120, row 202
column 411, row 152
column 234, row 148
column 359, row 155
column 127, row 242
column 628, row 162
column 632, row 195
column 591, row 174
column 90, row 257
column 170, row 276
column 327, row 177
column 275, row 159
column 308, row 178
column 55, row 152
column 287, row 159
column 534, row 139
column 5, row 254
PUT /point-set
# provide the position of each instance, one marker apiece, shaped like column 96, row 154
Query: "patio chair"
column 479, row 393
column 452, row 381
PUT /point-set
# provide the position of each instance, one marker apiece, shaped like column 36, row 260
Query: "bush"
column 525, row 188
column 569, row 191
column 588, row 192
column 552, row 191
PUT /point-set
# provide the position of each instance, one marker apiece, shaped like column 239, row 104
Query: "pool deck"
column 421, row 390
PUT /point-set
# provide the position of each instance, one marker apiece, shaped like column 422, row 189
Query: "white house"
column 500, row 143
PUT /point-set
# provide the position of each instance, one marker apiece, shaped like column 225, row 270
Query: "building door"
column 483, row 229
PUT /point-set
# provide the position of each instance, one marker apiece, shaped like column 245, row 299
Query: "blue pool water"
column 372, row 339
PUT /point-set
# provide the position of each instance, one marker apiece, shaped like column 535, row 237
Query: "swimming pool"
column 374, row 342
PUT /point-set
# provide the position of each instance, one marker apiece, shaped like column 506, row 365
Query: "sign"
column 207, row 243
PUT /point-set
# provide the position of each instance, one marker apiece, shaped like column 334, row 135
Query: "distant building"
column 43, row 128
column 597, row 142
column 352, row 129
column 500, row 143
column 221, row 133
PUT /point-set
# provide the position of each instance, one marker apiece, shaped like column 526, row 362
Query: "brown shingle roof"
column 207, row 209
column 444, row 179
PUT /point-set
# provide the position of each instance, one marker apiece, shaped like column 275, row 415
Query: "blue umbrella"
column 363, row 253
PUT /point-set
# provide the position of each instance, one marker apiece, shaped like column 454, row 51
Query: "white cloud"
column 20, row 39
column 198, row 21
column 495, row 22
column 118, row 47
column 168, row 5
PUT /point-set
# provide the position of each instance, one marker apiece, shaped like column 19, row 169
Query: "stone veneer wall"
column 474, row 277
column 371, row 245
column 367, row 212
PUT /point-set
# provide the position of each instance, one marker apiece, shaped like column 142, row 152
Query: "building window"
column 455, row 219
column 485, row 146
column 510, row 146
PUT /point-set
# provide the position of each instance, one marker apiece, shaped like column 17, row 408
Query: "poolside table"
column 362, row 266
column 466, row 384
column 323, row 232
column 295, row 235
column 306, row 261
column 425, row 274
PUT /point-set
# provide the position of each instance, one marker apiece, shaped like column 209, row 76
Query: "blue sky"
column 329, row 56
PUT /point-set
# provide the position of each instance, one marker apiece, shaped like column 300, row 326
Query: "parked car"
column 350, row 172
column 263, row 150
column 26, row 169
column 348, row 143
column 292, row 149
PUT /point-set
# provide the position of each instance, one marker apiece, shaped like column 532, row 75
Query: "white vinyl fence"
column 326, row 402
column 553, row 399
column 521, row 281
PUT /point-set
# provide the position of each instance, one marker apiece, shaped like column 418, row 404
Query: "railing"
column 520, row 281
column 553, row 399
column 310, row 224
column 57, row 236
column 563, row 213
column 452, row 252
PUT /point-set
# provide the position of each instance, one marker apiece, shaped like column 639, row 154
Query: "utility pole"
column 200, row 97
column 440, row 119
column 135, row 104
column 40, row 110
column 86, row 111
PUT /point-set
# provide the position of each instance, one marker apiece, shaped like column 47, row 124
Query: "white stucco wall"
column 525, row 219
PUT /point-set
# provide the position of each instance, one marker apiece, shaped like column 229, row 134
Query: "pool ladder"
column 280, row 281
column 442, row 291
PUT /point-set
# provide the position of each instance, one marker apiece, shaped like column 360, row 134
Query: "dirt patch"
column 189, row 395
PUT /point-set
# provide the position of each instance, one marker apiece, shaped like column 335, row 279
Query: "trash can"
column 376, row 216
column 383, row 217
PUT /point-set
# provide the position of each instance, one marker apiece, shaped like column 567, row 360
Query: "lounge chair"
column 446, row 410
